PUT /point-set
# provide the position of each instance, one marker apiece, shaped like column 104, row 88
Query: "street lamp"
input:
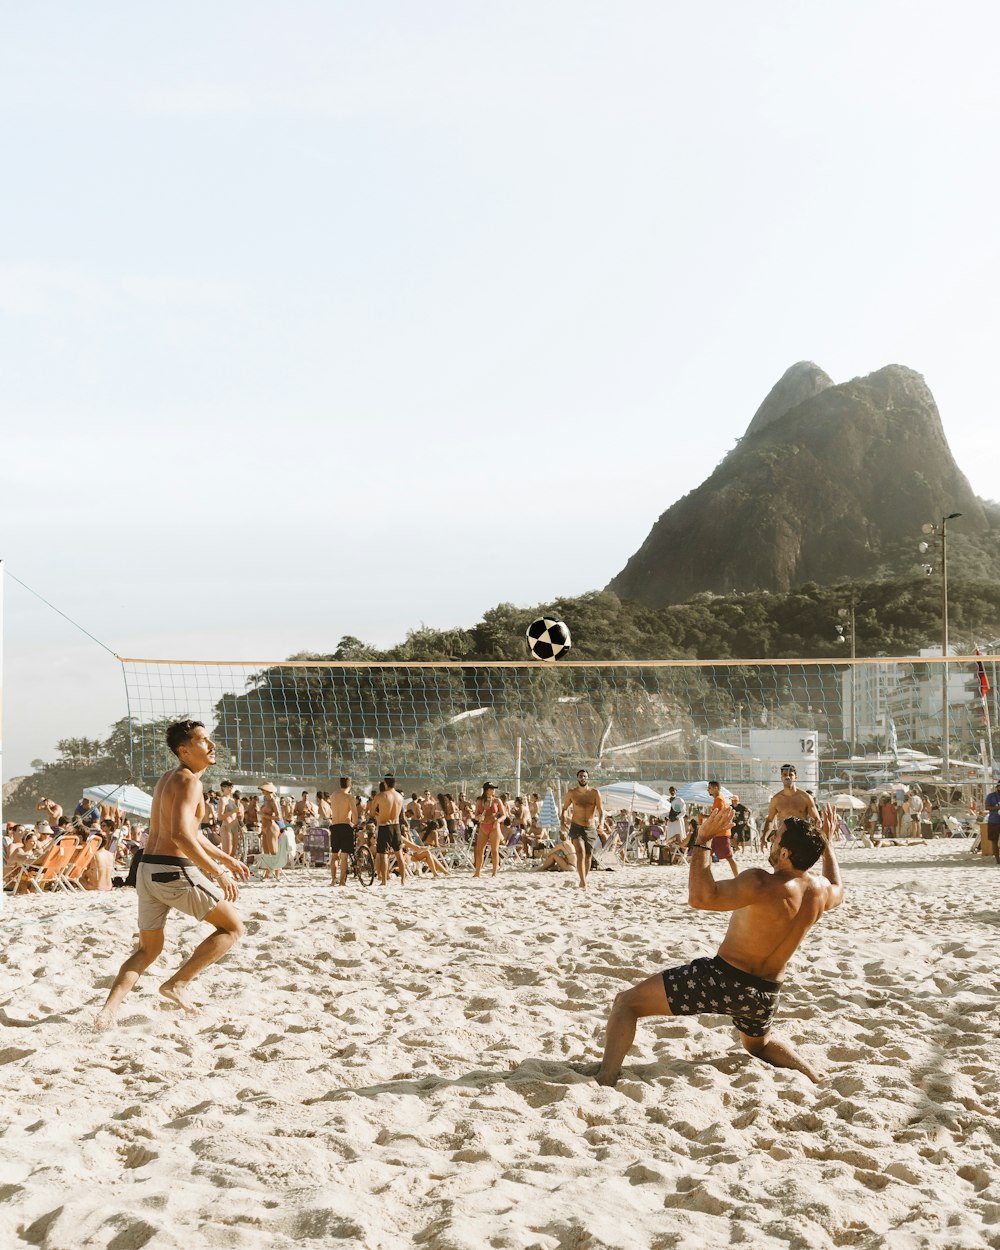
column 847, row 614
column 942, row 532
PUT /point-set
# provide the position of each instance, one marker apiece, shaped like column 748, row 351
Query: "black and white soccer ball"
column 548, row 639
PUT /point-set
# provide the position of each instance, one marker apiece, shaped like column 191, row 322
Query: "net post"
column 3, row 901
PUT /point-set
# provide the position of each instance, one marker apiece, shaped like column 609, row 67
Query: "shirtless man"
column 722, row 846
column 386, row 807
column 587, row 804
column 428, row 806
column 180, row 869
column 303, row 810
column 412, row 812
column 52, row 807
column 772, row 912
column 324, row 813
column 229, row 819
column 343, row 822
column 790, row 801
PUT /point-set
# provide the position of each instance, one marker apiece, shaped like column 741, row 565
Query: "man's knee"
column 150, row 943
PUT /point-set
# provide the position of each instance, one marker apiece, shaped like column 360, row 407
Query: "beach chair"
column 512, row 851
column 70, row 878
column 317, row 846
column 38, row 877
column 608, row 856
column 458, row 853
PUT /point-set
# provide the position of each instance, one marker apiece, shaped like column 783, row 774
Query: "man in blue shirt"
column 993, row 819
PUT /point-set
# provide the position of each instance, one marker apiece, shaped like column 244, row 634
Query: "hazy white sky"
column 326, row 318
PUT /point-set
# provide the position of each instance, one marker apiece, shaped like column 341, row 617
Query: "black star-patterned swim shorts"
column 713, row 987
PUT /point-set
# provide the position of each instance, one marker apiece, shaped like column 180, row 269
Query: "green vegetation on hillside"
column 893, row 618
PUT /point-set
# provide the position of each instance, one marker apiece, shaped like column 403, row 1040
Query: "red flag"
column 984, row 681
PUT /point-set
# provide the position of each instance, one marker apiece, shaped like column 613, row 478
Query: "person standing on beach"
column 343, row 823
column 489, row 814
column 53, row 809
column 772, row 913
column 993, row 820
column 722, row 845
column 270, row 819
column 386, row 807
column 587, row 818
column 180, row 869
column 790, row 801
column 229, row 818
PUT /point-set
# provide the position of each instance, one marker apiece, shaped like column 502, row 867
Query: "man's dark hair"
column 802, row 842
column 390, row 781
column 180, row 731
column 715, row 783
column 344, row 782
column 62, row 822
column 223, row 784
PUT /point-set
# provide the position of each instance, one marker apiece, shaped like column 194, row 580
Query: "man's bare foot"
column 105, row 1019
column 179, row 999
column 603, row 1078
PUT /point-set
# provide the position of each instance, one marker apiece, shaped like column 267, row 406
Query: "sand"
column 410, row 1068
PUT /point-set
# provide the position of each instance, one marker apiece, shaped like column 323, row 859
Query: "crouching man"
column 772, row 912
column 180, row 870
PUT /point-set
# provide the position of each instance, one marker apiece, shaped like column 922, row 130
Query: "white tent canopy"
column 129, row 798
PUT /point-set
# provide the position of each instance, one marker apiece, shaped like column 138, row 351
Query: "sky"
column 324, row 318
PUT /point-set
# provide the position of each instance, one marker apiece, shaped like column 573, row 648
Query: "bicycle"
column 361, row 862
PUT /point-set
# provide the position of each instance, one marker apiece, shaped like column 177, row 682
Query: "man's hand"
column 828, row 822
column 236, row 867
column 230, row 890
column 716, row 824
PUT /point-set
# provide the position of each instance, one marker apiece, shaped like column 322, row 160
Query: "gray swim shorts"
column 587, row 835
column 713, row 987
column 165, row 881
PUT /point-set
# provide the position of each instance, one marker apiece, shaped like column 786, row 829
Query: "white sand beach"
column 410, row 1067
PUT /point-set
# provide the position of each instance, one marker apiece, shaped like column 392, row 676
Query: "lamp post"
column 847, row 614
column 942, row 532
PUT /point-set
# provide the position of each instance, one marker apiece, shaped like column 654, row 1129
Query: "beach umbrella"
column 548, row 813
column 129, row 798
column 697, row 792
column 634, row 797
column 847, row 802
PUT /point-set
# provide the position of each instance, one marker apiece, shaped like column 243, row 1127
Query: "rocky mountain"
column 828, row 482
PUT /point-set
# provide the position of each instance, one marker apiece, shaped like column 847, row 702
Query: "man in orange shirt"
column 722, row 846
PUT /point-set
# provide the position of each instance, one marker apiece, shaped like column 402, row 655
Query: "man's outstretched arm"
column 704, row 892
column 831, row 869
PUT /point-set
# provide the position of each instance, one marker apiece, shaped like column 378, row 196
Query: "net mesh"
column 529, row 725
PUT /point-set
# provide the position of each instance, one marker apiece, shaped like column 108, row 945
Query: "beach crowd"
column 272, row 832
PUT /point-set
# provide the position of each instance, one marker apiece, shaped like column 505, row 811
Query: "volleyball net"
column 528, row 726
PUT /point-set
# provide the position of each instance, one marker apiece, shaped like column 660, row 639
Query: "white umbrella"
column 847, row 802
column 697, row 792
column 129, row 798
column 633, row 796
column 548, row 813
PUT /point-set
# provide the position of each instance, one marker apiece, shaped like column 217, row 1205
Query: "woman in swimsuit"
column 270, row 814
column 490, row 811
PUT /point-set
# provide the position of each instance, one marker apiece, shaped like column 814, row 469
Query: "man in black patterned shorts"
column 772, row 912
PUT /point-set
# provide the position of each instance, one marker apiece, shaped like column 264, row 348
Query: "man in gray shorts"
column 587, row 818
column 772, row 912
column 180, row 870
